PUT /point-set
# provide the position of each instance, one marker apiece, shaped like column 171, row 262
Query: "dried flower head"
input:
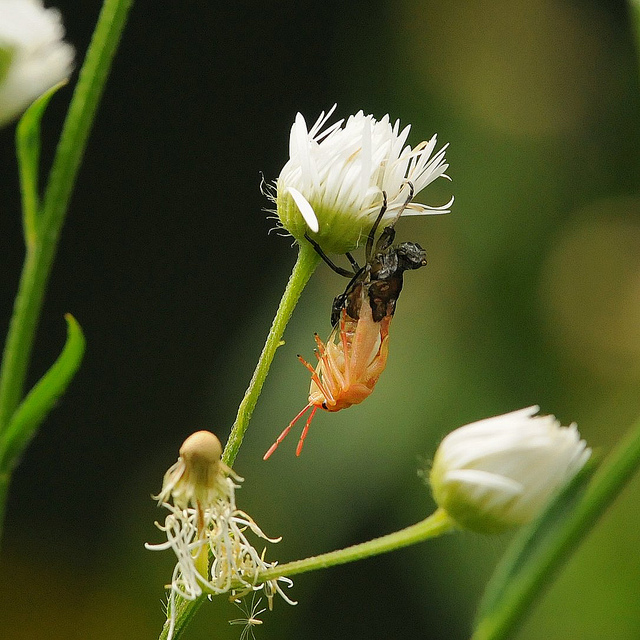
column 499, row 472
column 206, row 530
column 199, row 475
column 332, row 185
column 33, row 57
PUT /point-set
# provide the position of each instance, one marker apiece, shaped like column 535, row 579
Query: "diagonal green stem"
column 304, row 267
column 435, row 525
column 40, row 255
column 606, row 484
column 41, row 250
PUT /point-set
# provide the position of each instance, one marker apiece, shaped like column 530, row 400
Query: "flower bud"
column 332, row 186
column 498, row 473
column 33, row 57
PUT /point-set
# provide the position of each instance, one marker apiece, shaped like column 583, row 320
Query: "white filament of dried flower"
column 203, row 522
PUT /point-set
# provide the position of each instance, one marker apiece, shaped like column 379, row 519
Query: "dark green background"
column 532, row 295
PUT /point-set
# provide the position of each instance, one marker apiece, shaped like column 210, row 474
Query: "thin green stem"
column 86, row 97
column 46, row 225
column 185, row 610
column 435, row 525
column 606, row 484
column 304, row 267
column 40, row 255
column 21, row 331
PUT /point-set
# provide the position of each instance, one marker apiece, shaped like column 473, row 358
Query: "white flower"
column 204, row 521
column 333, row 182
column 499, row 472
column 33, row 57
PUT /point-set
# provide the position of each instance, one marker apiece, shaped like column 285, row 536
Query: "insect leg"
column 316, row 378
column 284, row 434
column 339, row 270
column 374, row 228
column 354, row 264
column 412, row 191
column 321, row 347
column 345, row 347
column 305, row 430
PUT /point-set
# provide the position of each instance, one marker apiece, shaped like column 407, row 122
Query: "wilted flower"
column 204, row 521
column 499, row 472
column 33, row 57
column 332, row 185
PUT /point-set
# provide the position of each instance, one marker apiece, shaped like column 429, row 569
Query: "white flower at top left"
column 33, row 56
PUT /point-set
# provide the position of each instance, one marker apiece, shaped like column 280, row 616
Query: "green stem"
column 304, row 267
column 435, row 525
column 607, row 483
column 40, row 256
column 185, row 610
column 41, row 250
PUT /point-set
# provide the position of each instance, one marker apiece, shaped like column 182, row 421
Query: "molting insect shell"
column 355, row 355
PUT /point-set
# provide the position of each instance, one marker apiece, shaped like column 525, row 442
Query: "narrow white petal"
column 305, row 209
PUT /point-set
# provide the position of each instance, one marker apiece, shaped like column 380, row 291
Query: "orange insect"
column 354, row 356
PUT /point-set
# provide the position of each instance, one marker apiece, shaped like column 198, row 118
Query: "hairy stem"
column 435, row 525
column 304, row 267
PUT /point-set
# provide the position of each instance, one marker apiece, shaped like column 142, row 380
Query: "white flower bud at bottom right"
column 499, row 472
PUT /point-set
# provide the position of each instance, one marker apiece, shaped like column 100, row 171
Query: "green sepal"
column 28, row 152
column 42, row 397
column 529, row 563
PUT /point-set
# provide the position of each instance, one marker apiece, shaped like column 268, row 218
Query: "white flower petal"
column 336, row 175
column 305, row 209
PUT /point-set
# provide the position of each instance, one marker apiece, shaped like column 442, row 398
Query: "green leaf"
column 28, row 152
column 529, row 564
column 41, row 399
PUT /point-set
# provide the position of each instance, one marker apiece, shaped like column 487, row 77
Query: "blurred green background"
column 531, row 296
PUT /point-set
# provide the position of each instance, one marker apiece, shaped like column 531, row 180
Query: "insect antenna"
column 316, row 378
column 339, row 270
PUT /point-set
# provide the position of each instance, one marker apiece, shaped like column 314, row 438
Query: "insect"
column 251, row 619
column 355, row 355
